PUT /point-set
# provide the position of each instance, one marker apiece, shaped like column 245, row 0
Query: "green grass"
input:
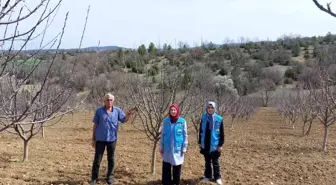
column 21, row 63
column 29, row 62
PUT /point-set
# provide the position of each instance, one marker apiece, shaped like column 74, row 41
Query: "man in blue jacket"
column 104, row 135
column 211, row 140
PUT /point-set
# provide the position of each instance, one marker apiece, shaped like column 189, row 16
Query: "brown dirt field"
column 261, row 151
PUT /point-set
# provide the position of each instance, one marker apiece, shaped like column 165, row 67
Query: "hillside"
column 251, row 67
column 250, row 64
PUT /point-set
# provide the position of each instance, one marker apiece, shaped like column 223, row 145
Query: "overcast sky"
column 129, row 23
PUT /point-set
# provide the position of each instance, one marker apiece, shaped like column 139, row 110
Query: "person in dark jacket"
column 211, row 140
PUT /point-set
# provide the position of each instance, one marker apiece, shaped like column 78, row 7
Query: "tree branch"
column 322, row 8
column 24, row 17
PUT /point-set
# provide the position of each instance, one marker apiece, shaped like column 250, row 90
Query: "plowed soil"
column 263, row 150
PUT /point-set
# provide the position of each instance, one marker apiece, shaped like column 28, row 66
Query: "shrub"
column 154, row 70
column 214, row 66
column 223, row 72
column 296, row 50
column 197, row 53
column 288, row 81
column 282, row 57
column 291, row 73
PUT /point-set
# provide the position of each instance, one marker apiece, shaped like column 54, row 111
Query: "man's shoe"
column 93, row 182
column 219, row 181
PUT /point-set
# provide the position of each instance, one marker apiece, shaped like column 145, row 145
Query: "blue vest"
column 215, row 132
column 178, row 135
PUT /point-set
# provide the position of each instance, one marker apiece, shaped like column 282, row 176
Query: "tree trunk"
column 153, row 166
column 305, row 131
column 309, row 128
column 303, row 128
column 72, row 118
column 265, row 103
column 85, row 118
column 324, row 147
column 197, row 134
column 25, row 150
column 285, row 120
column 42, row 131
column 232, row 120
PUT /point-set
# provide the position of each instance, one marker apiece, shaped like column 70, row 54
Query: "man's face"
column 109, row 102
column 211, row 109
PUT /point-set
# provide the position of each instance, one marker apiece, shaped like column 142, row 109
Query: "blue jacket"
column 179, row 133
column 215, row 132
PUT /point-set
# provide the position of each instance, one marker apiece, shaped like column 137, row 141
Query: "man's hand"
column 219, row 148
column 132, row 110
column 93, row 143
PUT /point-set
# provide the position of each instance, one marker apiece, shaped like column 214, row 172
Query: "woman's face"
column 211, row 109
column 173, row 111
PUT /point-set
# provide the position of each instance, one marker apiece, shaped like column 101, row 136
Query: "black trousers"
column 211, row 160
column 99, row 152
column 166, row 174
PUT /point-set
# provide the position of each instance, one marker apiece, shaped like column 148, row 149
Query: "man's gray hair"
column 108, row 96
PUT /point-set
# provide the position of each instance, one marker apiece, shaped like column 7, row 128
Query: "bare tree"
column 324, row 99
column 288, row 104
column 273, row 74
column 25, row 108
column 280, row 105
column 106, row 82
column 267, row 91
column 308, row 77
column 249, row 107
column 292, row 108
column 219, row 89
column 201, row 92
column 50, row 104
column 224, row 93
column 236, row 110
column 153, row 103
column 306, row 111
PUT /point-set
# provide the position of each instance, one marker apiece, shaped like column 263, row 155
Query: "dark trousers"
column 166, row 174
column 212, row 159
column 99, row 152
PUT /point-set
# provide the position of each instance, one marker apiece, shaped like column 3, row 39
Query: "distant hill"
column 103, row 48
column 91, row 48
